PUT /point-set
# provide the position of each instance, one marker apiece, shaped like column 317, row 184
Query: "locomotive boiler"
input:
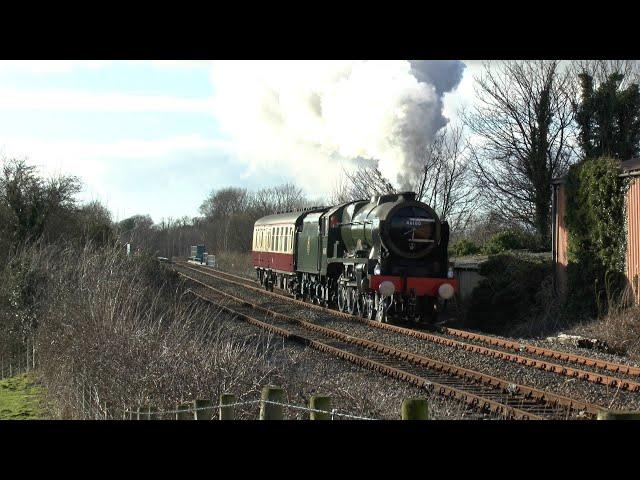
column 383, row 258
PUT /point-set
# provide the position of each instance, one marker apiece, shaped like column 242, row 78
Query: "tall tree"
column 608, row 117
column 522, row 121
column 445, row 181
column 361, row 183
column 34, row 207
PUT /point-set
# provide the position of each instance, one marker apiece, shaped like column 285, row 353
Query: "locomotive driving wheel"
column 351, row 296
column 342, row 298
column 368, row 305
column 359, row 302
column 383, row 306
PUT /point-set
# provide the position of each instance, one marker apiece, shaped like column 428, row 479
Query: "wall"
column 560, row 238
column 468, row 279
column 633, row 236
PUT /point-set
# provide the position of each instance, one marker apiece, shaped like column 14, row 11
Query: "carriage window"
column 290, row 239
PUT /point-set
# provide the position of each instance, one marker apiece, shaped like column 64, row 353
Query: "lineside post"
column 203, row 414
column 226, row 413
column 320, row 402
column 152, row 413
column 415, row 409
column 618, row 415
column 269, row 411
column 142, row 414
column 183, row 412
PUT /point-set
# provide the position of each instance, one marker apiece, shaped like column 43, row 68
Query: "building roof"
column 630, row 165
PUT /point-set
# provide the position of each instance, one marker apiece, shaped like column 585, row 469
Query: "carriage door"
column 322, row 257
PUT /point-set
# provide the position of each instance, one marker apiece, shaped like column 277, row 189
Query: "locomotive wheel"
column 351, row 303
column 369, row 307
column 341, row 299
column 359, row 303
column 381, row 313
column 430, row 311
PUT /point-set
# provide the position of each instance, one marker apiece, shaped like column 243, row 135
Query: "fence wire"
column 333, row 412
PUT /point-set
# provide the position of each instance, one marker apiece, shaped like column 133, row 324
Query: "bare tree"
column 445, row 181
column 279, row 198
column 523, row 119
column 220, row 207
column 360, row 184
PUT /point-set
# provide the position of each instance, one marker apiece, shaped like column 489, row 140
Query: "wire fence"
column 15, row 365
column 333, row 412
column 270, row 406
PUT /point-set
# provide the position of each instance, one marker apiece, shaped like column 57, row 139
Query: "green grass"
column 20, row 398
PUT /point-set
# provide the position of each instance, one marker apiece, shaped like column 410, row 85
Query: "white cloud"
column 97, row 163
column 77, row 100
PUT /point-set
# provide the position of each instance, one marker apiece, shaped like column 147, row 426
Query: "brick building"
column 630, row 168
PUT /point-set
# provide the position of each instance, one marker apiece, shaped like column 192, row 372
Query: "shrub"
column 463, row 247
column 596, row 225
column 508, row 240
column 511, row 292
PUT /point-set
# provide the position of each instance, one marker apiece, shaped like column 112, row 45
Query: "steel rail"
column 549, row 400
column 613, row 367
column 597, row 378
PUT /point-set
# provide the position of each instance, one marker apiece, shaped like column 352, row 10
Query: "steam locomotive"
column 384, row 258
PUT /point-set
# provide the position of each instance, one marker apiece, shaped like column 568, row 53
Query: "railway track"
column 537, row 357
column 480, row 391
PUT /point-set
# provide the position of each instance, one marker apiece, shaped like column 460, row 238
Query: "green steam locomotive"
column 384, row 258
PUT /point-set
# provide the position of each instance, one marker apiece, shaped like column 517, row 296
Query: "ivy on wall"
column 595, row 222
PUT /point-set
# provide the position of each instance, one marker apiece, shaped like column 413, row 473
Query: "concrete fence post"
column 415, row 409
column 184, row 412
column 618, row 415
column 269, row 411
column 152, row 413
column 226, row 413
column 203, row 414
column 320, row 402
column 141, row 413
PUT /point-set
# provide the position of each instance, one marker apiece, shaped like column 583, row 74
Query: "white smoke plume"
column 308, row 119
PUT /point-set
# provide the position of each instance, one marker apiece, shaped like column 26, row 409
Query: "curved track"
column 481, row 391
column 537, row 357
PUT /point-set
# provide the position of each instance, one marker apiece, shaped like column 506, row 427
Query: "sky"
column 155, row 137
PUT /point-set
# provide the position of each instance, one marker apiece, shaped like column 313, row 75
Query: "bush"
column 463, row 247
column 508, row 240
column 596, row 226
column 510, row 295
column 236, row 263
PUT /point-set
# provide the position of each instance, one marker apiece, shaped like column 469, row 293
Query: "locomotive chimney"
column 408, row 196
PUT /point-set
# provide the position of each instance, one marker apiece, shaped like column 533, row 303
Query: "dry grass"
column 238, row 263
column 619, row 329
column 114, row 332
